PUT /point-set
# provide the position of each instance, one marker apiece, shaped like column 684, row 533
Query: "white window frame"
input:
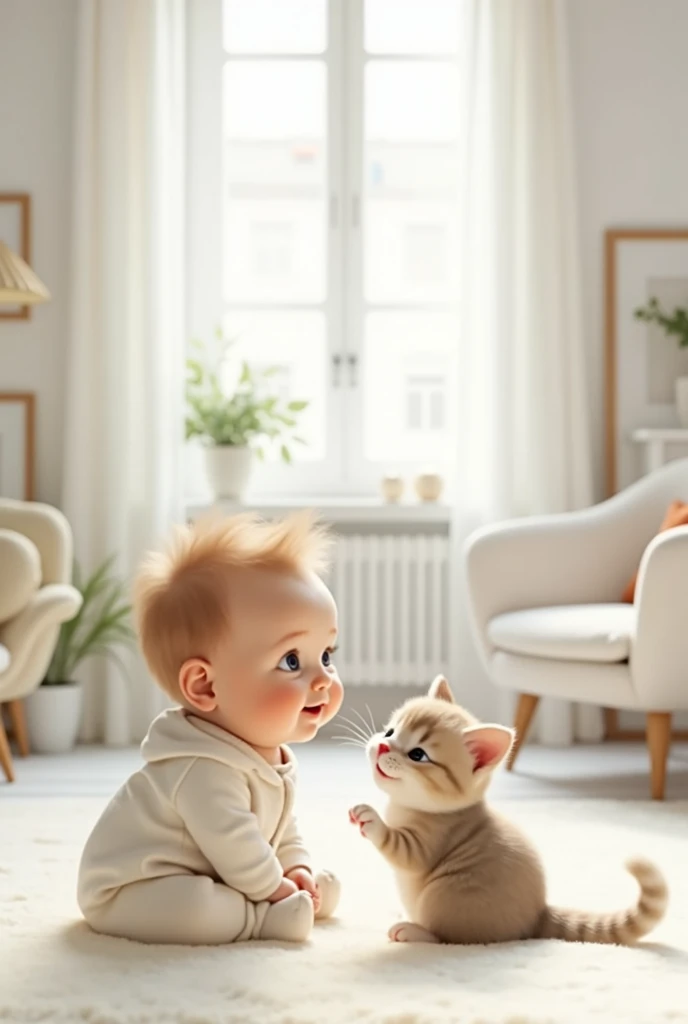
column 344, row 472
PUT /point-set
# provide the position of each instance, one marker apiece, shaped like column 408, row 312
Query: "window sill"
column 334, row 510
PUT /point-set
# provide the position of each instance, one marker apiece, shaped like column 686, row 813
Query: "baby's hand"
column 284, row 889
column 304, row 880
column 369, row 822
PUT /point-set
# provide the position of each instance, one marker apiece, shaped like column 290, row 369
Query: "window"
column 336, row 226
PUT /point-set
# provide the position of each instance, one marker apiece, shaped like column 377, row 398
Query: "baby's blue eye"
column 290, row 662
column 418, row 754
column 326, row 659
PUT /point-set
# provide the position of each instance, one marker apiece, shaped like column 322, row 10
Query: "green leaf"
column 285, row 453
column 243, row 414
column 101, row 626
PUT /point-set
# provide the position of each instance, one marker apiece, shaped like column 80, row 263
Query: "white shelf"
column 335, row 510
column 665, row 434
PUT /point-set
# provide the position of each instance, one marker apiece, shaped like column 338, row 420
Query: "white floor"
column 609, row 771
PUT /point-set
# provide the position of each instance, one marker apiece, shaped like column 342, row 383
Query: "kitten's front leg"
column 370, row 823
column 400, row 847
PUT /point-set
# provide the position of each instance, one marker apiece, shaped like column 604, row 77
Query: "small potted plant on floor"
column 235, row 421
column 674, row 325
column 100, row 629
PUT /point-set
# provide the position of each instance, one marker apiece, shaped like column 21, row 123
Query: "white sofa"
column 36, row 597
column 545, row 600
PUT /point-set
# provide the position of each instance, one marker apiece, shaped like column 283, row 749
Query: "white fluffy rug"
column 53, row 969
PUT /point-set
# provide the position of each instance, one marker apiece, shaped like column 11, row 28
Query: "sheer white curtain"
column 523, row 423
column 125, row 369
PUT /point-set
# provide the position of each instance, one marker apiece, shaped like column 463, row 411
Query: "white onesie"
column 191, row 846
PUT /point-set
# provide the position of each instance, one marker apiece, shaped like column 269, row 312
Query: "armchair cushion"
column 583, row 632
column 20, row 573
column 676, row 515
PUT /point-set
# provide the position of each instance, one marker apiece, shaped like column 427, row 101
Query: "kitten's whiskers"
column 349, row 741
column 366, row 725
column 355, row 728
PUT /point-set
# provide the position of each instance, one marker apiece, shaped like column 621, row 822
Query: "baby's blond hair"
column 180, row 593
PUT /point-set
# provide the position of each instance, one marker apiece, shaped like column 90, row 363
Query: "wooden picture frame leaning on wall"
column 17, row 444
column 613, row 240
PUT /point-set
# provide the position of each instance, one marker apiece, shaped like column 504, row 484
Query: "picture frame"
column 15, row 231
column 17, row 444
column 641, row 362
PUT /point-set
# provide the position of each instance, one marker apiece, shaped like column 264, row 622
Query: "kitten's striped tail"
column 622, row 927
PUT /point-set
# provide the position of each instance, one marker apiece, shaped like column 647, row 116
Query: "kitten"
column 466, row 874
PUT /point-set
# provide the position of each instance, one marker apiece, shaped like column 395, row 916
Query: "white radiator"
column 391, row 593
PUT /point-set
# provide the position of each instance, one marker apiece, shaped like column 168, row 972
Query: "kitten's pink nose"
column 382, row 749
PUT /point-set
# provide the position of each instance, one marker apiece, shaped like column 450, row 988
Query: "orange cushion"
column 676, row 515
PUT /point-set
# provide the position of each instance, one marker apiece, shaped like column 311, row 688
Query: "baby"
column 200, row 846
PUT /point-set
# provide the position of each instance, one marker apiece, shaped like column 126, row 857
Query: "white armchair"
column 36, row 596
column 545, row 600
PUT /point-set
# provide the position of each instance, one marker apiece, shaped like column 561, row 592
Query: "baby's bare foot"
column 290, row 920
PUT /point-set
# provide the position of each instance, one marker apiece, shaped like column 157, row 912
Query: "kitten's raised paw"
column 406, row 931
column 368, row 820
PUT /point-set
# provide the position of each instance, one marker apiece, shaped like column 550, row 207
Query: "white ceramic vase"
column 429, row 485
column 681, row 385
column 228, row 468
column 53, row 717
column 392, row 487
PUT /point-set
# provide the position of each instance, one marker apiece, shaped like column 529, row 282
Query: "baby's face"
column 274, row 677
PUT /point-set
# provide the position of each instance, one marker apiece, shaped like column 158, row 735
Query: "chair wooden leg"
column 525, row 709
column 658, row 742
column 5, row 755
column 18, row 719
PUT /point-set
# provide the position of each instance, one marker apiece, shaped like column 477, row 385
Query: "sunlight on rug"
column 53, row 969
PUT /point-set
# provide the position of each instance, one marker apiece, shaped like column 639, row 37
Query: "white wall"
column 630, row 94
column 630, row 85
column 37, row 47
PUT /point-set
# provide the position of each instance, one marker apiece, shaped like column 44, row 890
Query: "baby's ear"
column 488, row 745
column 440, row 690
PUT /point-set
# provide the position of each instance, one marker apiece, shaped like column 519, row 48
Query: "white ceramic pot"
column 228, row 468
column 53, row 717
column 392, row 487
column 429, row 485
column 681, row 385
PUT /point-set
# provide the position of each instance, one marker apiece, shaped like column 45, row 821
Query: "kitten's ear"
column 488, row 745
column 440, row 690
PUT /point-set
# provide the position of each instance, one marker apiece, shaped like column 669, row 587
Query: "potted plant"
column 235, row 423
column 673, row 325
column 100, row 628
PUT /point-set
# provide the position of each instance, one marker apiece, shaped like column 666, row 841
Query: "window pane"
column 270, row 99
column 411, row 26
column 274, row 26
column 411, row 357
column 275, row 182
column 294, row 343
column 411, row 175
column 410, row 251
column 411, row 100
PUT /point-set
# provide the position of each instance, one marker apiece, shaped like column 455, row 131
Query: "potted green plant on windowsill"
column 101, row 628
column 235, row 422
column 674, row 325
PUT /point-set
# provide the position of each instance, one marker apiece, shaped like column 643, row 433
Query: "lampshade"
column 18, row 283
